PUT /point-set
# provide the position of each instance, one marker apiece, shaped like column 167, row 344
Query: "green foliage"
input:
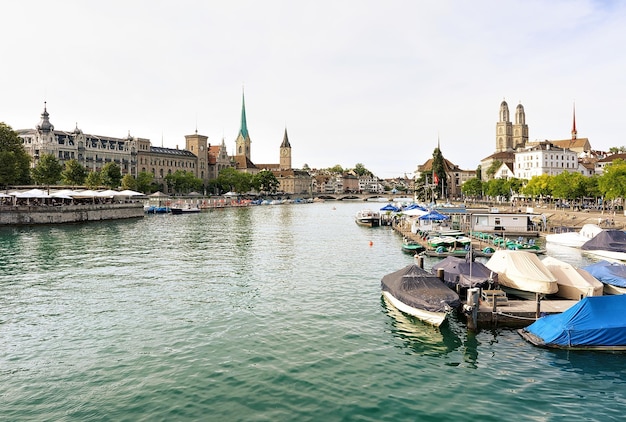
column 568, row 185
column 129, row 182
column 183, row 181
column 495, row 165
column 265, row 181
column 360, row 170
column 14, row 160
column 439, row 169
column 143, row 183
column 497, row 187
column 473, row 187
column 48, row 170
column 336, row 169
column 538, row 186
column 111, row 175
column 93, row 180
column 479, row 172
column 612, row 184
column 74, row 173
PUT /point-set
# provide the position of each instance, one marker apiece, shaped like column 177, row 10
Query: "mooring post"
column 440, row 273
column 538, row 312
column 473, row 303
column 420, row 260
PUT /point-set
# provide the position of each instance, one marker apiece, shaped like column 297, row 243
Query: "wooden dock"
column 518, row 313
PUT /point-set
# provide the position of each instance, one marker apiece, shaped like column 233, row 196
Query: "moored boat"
column 594, row 323
column 574, row 283
column 611, row 274
column 460, row 273
column 367, row 218
column 574, row 239
column 522, row 271
column 417, row 292
column 411, row 246
column 610, row 244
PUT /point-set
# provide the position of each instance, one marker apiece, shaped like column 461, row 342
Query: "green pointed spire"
column 244, row 125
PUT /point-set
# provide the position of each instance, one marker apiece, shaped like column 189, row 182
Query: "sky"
column 355, row 81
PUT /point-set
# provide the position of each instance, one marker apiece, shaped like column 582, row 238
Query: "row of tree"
column 568, row 186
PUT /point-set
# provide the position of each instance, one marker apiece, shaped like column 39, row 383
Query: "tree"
column 538, row 186
column 265, row 181
column 360, row 170
column 144, row 182
column 232, row 180
column 568, row 185
column 14, row 160
column 336, row 169
column 183, row 181
column 473, row 187
column 129, row 182
column 111, row 175
column 93, row 180
column 48, row 170
column 479, row 172
column 74, row 173
column 612, row 184
column 439, row 171
column 495, row 165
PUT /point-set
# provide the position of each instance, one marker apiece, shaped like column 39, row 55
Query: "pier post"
column 473, row 303
column 538, row 312
column 420, row 261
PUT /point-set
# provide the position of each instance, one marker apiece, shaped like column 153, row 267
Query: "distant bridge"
column 357, row 197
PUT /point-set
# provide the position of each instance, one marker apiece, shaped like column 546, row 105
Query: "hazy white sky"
column 355, row 81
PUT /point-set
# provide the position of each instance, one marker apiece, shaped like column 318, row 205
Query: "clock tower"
column 285, row 153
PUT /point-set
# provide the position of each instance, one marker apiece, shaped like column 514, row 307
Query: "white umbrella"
column 4, row 195
column 107, row 194
column 128, row 192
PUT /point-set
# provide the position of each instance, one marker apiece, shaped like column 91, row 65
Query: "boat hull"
column 433, row 318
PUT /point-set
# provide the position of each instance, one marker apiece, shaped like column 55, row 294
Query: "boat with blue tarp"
column 594, row 323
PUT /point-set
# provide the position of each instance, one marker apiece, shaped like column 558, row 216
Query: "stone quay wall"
column 39, row 214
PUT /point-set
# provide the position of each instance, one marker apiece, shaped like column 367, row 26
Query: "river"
column 265, row 313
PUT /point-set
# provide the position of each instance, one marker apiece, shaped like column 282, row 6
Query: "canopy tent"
column 158, row 194
column 434, row 216
column 33, row 193
column 390, row 207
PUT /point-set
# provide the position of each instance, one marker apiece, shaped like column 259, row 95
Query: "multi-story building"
column 544, row 158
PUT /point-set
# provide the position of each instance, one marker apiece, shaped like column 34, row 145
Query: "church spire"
column 574, row 132
column 244, row 125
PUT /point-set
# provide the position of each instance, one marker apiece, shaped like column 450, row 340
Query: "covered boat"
column 574, row 283
column 417, row 292
column 461, row 273
column 595, row 322
column 609, row 244
column 612, row 274
column 575, row 239
column 522, row 271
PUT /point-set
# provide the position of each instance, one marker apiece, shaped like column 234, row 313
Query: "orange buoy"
column 371, row 243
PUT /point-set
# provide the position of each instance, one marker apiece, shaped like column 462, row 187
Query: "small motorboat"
column 574, row 283
column 460, row 273
column 575, row 239
column 411, row 246
column 419, row 293
column 522, row 271
column 610, row 244
column 367, row 218
column 593, row 323
column 611, row 274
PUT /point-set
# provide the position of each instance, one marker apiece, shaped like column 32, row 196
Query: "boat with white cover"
column 522, row 271
column 574, row 283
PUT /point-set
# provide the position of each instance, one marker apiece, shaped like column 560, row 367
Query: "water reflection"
column 421, row 338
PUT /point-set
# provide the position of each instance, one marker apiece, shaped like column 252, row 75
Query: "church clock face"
column 284, row 152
